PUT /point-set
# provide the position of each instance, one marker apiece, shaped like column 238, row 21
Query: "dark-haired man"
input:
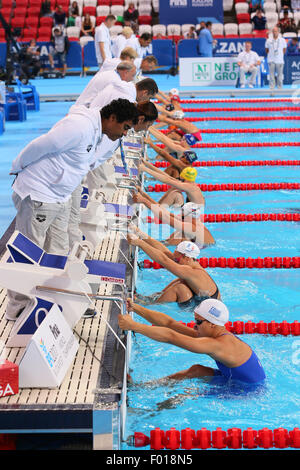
column 49, row 169
column 141, row 44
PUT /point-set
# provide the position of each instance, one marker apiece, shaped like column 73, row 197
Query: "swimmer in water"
column 192, row 284
column 188, row 224
column 184, row 186
column 235, row 360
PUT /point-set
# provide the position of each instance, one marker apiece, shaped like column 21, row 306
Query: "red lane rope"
column 242, row 118
column 238, row 100
column 272, row 328
column 216, row 218
column 236, row 163
column 242, row 144
column 231, row 187
column 244, row 131
column 233, row 438
column 241, row 110
column 241, row 262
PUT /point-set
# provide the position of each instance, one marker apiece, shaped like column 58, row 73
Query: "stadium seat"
column 104, row 2
column 29, row 33
column 102, row 10
column 289, row 35
column 241, row 8
column 260, row 34
column 46, row 21
column 173, row 29
column 35, row 3
column 245, row 29
column 6, row 13
column 231, row 29
column 291, row 15
column 217, row 29
column 44, row 31
column 145, row 28
column 7, row 4
column 2, row 35
column 272, row 18
column 73, row 32
column 89, row 3
column 145, row 19
column 18, row 22
column 99, row 20
column 243, row 18
column 18, row 12
column 22, row 3
column 155, row 5
column 270, row 7
column 31, row 21
column 117, row 10
column 33, row 11
column 159, row 29
column 117, row 2
column 90, row 10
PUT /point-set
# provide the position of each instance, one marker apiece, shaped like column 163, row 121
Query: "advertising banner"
column 190, row 11
column 209, row 71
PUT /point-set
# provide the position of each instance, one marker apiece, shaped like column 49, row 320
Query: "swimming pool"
column 250, row 294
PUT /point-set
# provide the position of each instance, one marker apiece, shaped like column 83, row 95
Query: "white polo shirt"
column 95, row 85
column 118, row 44
column 50, row 167
column 276, row 48
column 135, row 44
column 248, row 58
column 112, row 64
column 102, row 34
column 125, row 90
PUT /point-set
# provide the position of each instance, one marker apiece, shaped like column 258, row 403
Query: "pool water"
column 250, row 294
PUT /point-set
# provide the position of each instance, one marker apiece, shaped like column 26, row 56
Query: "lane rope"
column 263, row 217
column 233, row 163
column 231, row 187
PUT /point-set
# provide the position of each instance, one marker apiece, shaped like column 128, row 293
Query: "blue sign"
column 291, row 71
column 190, row 11
column 226, row 47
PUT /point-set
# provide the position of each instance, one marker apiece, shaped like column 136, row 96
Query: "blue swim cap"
column 190, row 139
column 190, row 155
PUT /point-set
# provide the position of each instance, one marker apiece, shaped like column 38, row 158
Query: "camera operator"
column 31, row 63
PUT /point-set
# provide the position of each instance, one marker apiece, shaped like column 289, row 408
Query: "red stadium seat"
column 7, row 3
column 243, row 18
column 6, row 12
column 43, row 38
column 260, row 34
column 44, row 31
column 29, row 34
column 18, row 22
column 19, row 12
column 100, row 20
column 103, row 2
column 21, row 3
column 35, row 3
column 90, row 10
column 2, row 35
column 46, row 21
column 116, row 2
column 246, row 35
column 31, row 21
column 145, row 19
column 33, row 11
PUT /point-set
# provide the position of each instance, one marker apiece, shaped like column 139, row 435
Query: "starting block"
column 109, row 178
column 67, row 281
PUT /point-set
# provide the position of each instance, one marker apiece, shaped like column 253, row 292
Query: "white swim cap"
column 214, row 311
column 193, row 209
column 174, row 91
column 189, row 249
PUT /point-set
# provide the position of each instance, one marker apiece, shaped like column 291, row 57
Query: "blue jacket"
column 205, row 43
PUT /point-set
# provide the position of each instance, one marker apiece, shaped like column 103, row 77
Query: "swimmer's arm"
column 165, row 335
column 163, row 214
column 161, row 319
column 182, row 124
column 164, row 177
column 166, row 140
column 177, row 163
column 162, row 110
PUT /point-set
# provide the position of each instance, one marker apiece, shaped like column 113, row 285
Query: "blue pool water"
column 250, row 294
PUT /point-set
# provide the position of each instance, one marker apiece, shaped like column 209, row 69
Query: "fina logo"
column 214, row 311
column 178, row 3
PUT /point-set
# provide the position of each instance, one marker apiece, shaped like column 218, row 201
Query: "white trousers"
column 245, row 69
column 45, row 224
column 276, row 69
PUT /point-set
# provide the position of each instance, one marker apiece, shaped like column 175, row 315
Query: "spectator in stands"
column 286, row 24
column 141, row 44
column 191, row 33
column 87, row 28
column 205, row 43
column 199, row 27
column 103, row 40
column 59, row 16
column 31, row 63
column 46, row 9
column 259, row 21
column 248, row 61
column 293, row 47
column 275, row 49
column 73, row 14
column 131, row 16
column 60, row 48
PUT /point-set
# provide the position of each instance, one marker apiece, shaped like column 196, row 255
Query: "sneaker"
column 243, row 86
column 250, row 85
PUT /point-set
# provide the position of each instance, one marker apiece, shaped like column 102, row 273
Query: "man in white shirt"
column 248, row 61
column 124, row 72
column 50, row 168
column 128, row 53
column 119, row 42
column 142, row 45
column 275, row 49
column 103, row 40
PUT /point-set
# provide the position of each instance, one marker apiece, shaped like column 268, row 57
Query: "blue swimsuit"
column 250, row 372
